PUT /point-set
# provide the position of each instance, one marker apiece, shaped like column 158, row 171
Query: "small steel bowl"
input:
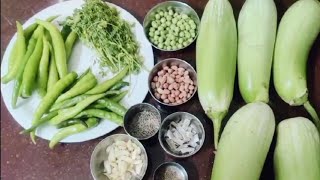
column 178, row 6
column 99, row 154
column 170, row 170
column 133, row 111
column 176, row 117
column 171, row 62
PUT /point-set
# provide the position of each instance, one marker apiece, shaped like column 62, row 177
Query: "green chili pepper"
column 68, row 103
column 101, row 114
column 53, row 72
column 79, row 78
column 58, row 46
column 120, row 96
column 30, row 29
column 71, row 112
column 70, row 122
column 51, row 97
column 103, row 87
column 33, row 43
column 40, row 122
column 73, row 101
column 53, row 94
column 71, row 39
column 85, row 84
column 47, row 34
column 119, row 85
column 113, row 106
column 12, row 61
column 31, row 69
column 43, row 68
column 112, row 93
column 97, row 106
column 73, row 129
column 14, row 55
column 17, row 56
column 83, row 75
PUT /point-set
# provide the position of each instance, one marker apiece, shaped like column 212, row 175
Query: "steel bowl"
column 134, row 110
column 178, row 6
column 169, row 169
column 99, row 154
column 171, row 62
column 176, row 117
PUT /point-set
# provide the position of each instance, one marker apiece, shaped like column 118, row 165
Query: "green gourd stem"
column 216, row 120
column 313, row 114
column 216, row 130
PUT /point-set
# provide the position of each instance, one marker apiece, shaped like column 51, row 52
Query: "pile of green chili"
column 74, row 105
column 100, row 27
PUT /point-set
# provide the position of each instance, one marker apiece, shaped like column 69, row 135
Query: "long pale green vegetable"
column 297, row 152
column 58, row 46
column 86, row 83
column 53, row 72
column 244, row 143
column 298, row 29
column 43, row 71
column 16, row 55
column 216, row 61
column 257, row 25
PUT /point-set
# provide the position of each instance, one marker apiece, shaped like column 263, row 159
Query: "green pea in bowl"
column 171, row 26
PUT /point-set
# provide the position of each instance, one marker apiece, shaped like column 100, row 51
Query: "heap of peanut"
column 172, row 85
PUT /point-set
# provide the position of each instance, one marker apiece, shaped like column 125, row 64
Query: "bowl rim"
column 181, row 168
column 143, row 151
column 163, row 61
column 201, row 140
column 145, row 138
column 144, row 24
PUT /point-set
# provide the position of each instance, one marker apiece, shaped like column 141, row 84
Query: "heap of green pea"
column 172, row 30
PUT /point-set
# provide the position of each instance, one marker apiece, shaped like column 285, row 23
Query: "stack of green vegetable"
column 38, row 58
column 101, row 27
column 75, row 105
column 246, row 139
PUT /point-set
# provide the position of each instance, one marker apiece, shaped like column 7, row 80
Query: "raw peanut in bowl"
column 172, row 85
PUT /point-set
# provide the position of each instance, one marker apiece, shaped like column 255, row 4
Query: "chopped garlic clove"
column 111, row 157
column 123, row 167
column 138, row 168
column 120, row 143
column 107, row 167
column 129, row 145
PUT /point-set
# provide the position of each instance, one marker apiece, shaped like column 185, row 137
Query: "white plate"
column 82, row 58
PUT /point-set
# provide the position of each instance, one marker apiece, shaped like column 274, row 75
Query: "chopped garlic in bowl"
column 119, row 157
column 123, row 160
